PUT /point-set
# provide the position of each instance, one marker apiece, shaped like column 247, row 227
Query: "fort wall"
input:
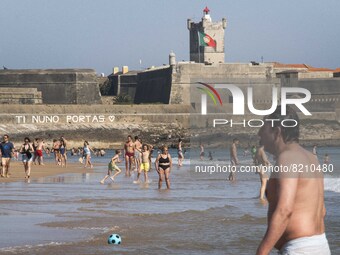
column 57, row 86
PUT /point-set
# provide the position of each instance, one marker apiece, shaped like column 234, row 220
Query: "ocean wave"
column 332, row 184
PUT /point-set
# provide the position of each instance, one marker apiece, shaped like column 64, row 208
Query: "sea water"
column 201, row 214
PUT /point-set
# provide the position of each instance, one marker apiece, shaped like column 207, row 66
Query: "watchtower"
column 207, row 39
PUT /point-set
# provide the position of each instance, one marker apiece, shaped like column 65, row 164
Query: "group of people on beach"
column 31, row 153
column 138, row 157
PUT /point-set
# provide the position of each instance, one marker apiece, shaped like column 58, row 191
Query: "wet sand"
column 17, row 172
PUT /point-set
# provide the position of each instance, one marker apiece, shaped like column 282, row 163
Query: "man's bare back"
column 307, row 216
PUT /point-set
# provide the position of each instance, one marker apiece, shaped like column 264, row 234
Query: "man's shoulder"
column 296, row 154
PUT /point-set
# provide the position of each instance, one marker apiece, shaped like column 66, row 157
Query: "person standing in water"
column 263, row 163
column 296, row 209
column 201, row 151
column 163, row 165
column 233, row 158
column 180, row 152
column 87, row 153
column 129, row 149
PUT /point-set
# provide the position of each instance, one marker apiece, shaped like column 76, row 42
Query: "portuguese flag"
column 206, row 40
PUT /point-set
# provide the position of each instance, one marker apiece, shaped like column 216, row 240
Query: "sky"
column 102, row 34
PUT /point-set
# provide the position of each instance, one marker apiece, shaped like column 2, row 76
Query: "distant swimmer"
column 315, row 152
column 129, row 149
column 326, row 159
column 262, row 161
column 210, row 156
column 180, row 152
column 233, row 158
column 112, row 167
column 253, row 154
column 201, row 152
column 163, row 165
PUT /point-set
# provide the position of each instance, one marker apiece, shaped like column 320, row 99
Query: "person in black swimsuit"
column 27, row 151
column 163, row 165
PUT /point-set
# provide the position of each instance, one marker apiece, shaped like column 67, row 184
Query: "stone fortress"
column 170, row 84
column 162, row 90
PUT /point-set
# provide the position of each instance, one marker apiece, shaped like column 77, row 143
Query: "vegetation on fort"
column 122, row 99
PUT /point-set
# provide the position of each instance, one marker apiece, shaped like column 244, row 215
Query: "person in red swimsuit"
column 129, row 149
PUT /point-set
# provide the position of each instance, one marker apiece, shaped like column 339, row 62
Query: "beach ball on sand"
column 114, row 239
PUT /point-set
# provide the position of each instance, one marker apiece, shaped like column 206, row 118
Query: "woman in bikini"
column 27, row 151
column 163, row 165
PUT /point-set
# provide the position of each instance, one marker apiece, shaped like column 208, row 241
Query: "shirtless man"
column 296, row 200
column 262, row 161
column 39, row 151
column 56, row 145
column 233, row 158
column 129, row 149
column 138, row 155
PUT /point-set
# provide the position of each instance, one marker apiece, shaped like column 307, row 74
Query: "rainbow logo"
column 209, row 90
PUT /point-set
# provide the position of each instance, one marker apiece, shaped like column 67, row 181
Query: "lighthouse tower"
column 207, row 39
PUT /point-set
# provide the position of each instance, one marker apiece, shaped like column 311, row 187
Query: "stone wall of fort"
column 107, row 126
column 57, row 86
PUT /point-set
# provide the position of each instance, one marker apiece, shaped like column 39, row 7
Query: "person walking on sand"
column 145, row 165
column 27, row 151
column 163, row 165
column 233, row 158
column 129, row 149
column 6, row 153
column 263, row 163
column 180, row 152
column 87, row 153
column 296, row 209
column 113, row 167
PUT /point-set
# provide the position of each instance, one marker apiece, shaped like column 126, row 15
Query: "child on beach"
column 113, row 167
column 145, row 165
